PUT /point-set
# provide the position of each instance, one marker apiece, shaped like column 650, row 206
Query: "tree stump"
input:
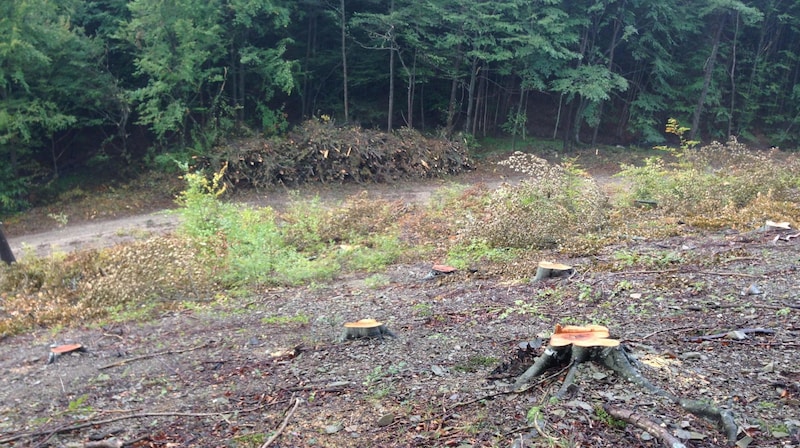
column 365, row 328
column 592, row 345
column 547, row 269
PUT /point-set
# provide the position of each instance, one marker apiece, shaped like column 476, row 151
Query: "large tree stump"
column 616, row 359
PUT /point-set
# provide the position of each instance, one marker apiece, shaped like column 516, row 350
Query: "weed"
column 552, row 204
column 251, row 440
column 379, row 382
column 585, row 292
column 78, row 407
column 422, row 309
column 60, row 218
column 607, row 419
column 533, row 414
column 467, row 253
column 301, row 319
column 475, row 363
column 522, row 308
column 716, row 185
column 377, row 281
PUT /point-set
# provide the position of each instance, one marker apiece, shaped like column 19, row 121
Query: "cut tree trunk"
column 617, row 360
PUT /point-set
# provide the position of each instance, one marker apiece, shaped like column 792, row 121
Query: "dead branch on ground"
column 646, row 424
column 283, row 424
column 152, row 355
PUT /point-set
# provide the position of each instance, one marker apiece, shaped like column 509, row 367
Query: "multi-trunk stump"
column 571, row 345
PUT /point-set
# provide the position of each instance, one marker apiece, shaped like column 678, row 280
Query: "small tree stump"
column 547, row 269
column 365, row 328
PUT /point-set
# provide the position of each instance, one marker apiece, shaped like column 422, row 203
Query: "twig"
column 723, row 334
column 664, row 271
column 87, row 423
column 648, row 425
column 732, row 274
column 666, row 330
column 152, row 355
column 283, row 424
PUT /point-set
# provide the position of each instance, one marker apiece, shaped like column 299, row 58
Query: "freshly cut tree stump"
column 547, row 269
column 574, row 345
column 365, row 328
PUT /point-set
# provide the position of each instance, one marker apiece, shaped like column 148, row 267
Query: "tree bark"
column 6, row 255
column 344, row 62
column 712, row 59
column 392, row 49
column 473, row 76
column 451, row 108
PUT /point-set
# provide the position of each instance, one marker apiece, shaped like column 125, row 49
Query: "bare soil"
column 232, row 371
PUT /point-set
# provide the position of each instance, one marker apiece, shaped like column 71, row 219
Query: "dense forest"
column 114, row 85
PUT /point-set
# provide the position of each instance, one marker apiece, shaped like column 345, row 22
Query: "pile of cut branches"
column 319, row 151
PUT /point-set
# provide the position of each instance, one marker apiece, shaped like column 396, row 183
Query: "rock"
column 385, row 420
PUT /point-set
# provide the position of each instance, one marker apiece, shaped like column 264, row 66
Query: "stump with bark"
column 365, row 328
column 573, row 345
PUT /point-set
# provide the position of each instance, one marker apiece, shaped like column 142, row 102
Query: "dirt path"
column 87, row 234
column 97, row 234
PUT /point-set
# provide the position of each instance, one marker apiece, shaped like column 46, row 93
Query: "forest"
column 121, row 86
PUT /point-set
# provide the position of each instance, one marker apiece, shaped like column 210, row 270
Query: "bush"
column 714, row 184
column 554, row 203
column 65, row 289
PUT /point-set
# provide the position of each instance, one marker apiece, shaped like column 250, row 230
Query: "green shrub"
column 554, row 203
column 713, row 184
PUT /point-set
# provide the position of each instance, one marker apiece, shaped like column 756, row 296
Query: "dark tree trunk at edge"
column 6, row 255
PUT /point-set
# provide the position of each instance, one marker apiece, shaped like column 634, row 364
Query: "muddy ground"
column 232, row 371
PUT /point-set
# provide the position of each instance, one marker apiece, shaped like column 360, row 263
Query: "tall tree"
column 718, row 13
column 51, row 84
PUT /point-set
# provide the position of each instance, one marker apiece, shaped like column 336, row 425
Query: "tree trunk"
column 611, row 51
column 344, row 62
column 733, row 78
column 391, row 71
column 307, row 106
column 6, row 255
column 712, row 59
column 473, row 76
column 411, row 75
column 451, row 108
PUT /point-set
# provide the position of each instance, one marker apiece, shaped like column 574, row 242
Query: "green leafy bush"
column 712, row 185
column 554, row 203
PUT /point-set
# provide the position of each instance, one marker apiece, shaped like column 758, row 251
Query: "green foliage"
column 533, row 414
column 552, row 204
column 257, row 246
column 715, row 185
column 300, row 318
column 464, row 254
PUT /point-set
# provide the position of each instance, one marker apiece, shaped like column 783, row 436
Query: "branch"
column 646, row 424
column 283, row 424
column 88, row 423
column 151, row 355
